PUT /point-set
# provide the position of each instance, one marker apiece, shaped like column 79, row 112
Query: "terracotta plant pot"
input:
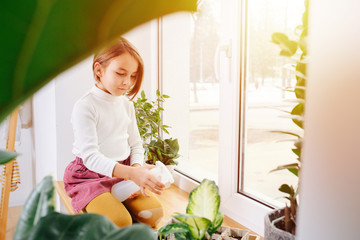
column 271, row 231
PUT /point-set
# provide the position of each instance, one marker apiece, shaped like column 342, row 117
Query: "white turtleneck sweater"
column 105, row 131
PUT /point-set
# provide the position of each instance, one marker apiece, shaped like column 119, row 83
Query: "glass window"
column 267, row 77
column 189, row 45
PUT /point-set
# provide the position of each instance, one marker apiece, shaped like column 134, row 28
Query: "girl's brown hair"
column 121, row 46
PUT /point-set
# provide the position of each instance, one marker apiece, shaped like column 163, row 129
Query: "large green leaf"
column 6, row 156
column 204, row 200
column 40, row 203
column 216, row 224
column 39, row 221
column 197, row 225
column 45, row 37
column 86, row 227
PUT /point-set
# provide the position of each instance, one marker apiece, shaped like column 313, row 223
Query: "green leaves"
column 85, row 226
column 197, row 225
column 288, row 47
column 6, row 156
column 202, row 214
column 174, row 228
column 39, row 221
column 43, row 38
column 40, row 203
column 148, row 117
column 216, row 224
column 163, row 150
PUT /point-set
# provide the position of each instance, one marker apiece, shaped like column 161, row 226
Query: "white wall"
column 330, row 194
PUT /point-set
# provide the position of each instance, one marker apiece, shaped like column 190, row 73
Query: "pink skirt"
column 83, row 185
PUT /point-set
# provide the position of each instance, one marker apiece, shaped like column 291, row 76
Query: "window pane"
column 189, row 46
column 267, row 75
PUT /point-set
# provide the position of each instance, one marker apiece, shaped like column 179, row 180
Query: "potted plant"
column 281, row 223
column 148, row 116
column 202, row 219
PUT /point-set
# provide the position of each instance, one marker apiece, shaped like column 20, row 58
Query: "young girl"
column 107, row 145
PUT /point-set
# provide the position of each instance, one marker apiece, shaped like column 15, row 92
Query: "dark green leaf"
column 294, row 171
column 85, row 226
column 298, row 110
column 6, row 156
column 43, row 38
column 296, row 151
column 286, row 189
column 40, row 203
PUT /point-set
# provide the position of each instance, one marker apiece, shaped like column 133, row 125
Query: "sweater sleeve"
column 84, row 120
column 135, row 141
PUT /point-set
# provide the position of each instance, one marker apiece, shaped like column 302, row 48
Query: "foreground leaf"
column 45, row 37
column 40, row 203
column 6, row 156
column 86, row 226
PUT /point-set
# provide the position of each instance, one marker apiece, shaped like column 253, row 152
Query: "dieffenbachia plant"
column 202, row 214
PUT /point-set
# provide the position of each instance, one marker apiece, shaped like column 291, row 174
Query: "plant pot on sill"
column 171, row 168
column 271, row 231
column 223, row 233
column 229, row 233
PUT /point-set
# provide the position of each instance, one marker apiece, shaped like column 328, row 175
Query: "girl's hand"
column 134, row 195
column 144, row 179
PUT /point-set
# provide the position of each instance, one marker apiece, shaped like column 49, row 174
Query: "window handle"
column 227, row 49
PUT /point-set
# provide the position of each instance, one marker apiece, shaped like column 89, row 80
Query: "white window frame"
column 243, row 209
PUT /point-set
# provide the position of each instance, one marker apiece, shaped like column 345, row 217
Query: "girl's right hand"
column 144, row 179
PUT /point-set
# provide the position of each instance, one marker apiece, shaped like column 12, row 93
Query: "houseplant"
column 39, row 220
column 148, row 117
column 202, row 219
column 281, row 223
column 43, row 39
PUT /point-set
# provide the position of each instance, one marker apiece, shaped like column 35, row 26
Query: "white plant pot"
column 271, row 231
column 171, row 168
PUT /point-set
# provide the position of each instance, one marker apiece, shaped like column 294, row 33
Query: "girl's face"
column 118, row 76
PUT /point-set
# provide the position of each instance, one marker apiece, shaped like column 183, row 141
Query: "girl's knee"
column 151, row 217
column 122, row 220
column 107, row 205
